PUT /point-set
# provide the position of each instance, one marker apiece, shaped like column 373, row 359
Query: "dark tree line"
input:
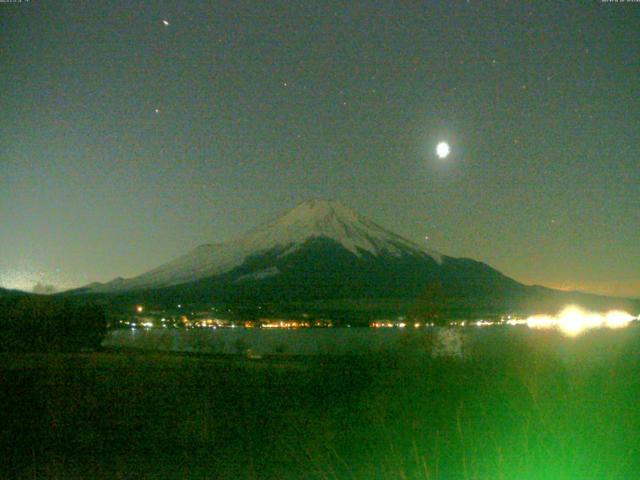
column 48, row 324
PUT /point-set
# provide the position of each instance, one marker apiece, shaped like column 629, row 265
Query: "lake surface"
column 310, row 341
column 433, row 341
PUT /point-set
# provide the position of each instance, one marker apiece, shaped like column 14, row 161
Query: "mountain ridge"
column 322, row 252
column 311, row 219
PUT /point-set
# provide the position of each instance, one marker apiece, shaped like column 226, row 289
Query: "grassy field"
column 533, row 407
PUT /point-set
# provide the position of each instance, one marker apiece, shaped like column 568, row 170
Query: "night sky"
column 125, row 142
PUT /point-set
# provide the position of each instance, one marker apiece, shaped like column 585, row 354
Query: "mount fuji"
column 321, row 253
column 314, row 221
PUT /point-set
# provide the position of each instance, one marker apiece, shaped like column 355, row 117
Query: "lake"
column 432, row 341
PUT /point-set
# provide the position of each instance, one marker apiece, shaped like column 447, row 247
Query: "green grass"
column 527, row 407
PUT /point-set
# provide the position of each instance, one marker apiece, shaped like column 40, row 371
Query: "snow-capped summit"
column 330, row 219
column 313, row 219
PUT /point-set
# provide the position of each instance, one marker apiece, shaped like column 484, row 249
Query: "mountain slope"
column 12, row 293
column 310, row 220
column 322, row 253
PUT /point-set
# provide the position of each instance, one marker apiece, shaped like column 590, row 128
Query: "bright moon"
column 443, row 150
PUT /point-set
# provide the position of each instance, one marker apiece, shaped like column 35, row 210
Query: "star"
column 166, row 23
column 157, row 110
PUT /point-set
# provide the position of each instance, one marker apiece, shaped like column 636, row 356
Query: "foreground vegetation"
column 37, row 323
column 528, row 407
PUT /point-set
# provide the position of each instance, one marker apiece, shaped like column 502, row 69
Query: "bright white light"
column 618, row 319
column 573, row 320
column 165, row 22
column 443, row 150
column 483, row 323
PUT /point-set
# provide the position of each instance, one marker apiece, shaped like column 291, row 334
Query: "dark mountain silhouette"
column 322, row 256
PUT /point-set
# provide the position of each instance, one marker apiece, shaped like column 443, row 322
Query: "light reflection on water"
column 573, row 320
column 459, row 342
